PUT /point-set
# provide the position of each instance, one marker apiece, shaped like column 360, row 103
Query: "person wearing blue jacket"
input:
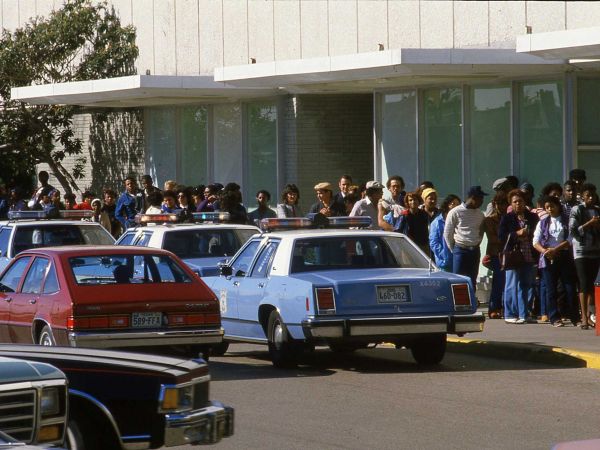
column 441, row 253
column 130, row 203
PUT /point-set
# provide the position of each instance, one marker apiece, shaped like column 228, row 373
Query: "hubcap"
column 45, row 340
column 278, row 335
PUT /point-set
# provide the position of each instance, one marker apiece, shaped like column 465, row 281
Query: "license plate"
column 146, row 320
column 393, row 294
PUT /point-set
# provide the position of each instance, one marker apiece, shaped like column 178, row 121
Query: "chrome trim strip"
column 140, row 339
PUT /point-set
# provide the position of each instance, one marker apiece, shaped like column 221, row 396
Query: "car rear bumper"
column 144, row 338
column 206, row 426
column 335, row 328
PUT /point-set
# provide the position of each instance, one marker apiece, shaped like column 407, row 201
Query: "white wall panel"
column 123, row 9
column 165, row 61
column 10, row 14
column 546, row 16
column 260, row 31
column 235, row 32
column 507, row 20
column 372, row 25
column 143, row 20
column 583, row 14
column 287, row 29
column 314, row 31
column 343, row 27
column 470, row 24
column 436, row 24
column 44, row 7
column 27, row 10
column 187, row 47
column 211, row 35
column 404, row 24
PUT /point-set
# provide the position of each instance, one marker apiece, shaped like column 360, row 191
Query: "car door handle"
column 33, row 301
column 236, row 283
column 261, row 285
column 8, row 299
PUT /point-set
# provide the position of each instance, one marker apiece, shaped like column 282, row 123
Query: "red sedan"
column 107, row 297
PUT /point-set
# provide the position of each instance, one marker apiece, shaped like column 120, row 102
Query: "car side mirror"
column 225, row 271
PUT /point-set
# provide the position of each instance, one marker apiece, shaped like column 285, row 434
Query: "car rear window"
column 124, row 269
column 205, row 243
column 355, row 253
column 47, row 235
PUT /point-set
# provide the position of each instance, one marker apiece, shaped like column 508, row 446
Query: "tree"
column 81, row 41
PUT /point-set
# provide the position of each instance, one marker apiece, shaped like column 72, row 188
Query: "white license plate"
column 146, row 320
column 393, row 294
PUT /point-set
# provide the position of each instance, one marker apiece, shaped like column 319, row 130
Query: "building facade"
column 269, row 92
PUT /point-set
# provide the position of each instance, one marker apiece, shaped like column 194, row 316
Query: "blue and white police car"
column 345, row 288
column 201, row 244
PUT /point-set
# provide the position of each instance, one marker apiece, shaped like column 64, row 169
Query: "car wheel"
column 46, row 338
column 429, row 350
column 74, row 437
column 281, row 348
column 219, row 349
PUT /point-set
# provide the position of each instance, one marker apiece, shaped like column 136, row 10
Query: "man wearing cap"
column 368, row 205
column 429, row 196
column 501, row 184
column 463, row 233
column 326, row 205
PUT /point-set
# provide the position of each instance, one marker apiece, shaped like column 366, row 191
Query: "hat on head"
column 427, row 192
column 323, row 186
column 374, row 185
column 475, row 191
column 96, row 200
column 499, row 183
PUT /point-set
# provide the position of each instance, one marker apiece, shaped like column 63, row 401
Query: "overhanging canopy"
column 136, row 91
column 581, row 43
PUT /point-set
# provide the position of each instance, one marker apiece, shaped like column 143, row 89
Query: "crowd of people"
column 543, row 257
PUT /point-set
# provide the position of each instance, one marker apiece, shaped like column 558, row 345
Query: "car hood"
column 15, row 370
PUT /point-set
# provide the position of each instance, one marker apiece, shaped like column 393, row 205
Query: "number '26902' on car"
column 343, row 288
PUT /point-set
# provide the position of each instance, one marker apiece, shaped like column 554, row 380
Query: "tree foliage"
column 81, row 41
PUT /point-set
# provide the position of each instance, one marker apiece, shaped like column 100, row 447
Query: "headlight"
column 50, row 403
column 177, row 398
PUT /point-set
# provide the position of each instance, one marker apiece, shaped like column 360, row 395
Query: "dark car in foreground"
column 120, row 400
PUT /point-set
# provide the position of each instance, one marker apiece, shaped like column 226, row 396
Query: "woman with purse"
column 556, row 261
column 518, row 258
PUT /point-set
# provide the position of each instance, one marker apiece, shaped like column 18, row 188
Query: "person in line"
column 569, row 197
column 500, row 185
column 578, row 176
column 70, row 202
column 130, row 203
column 350, row 200
column 169, row 204
column 289, row 202
column 396, row 193
column 263, row 197
column 437, row 244
column 100, row 216
column 325, row 204
column 412, row 221
column 491, row 260
column 155, row 202
column 516, row 227
column 170, row 185
column 550, row 239
column 584, row 229
column 15, row 200
column 109, row 207
column 197, row 196
column 184, row 203
column 86, row 201
column 344, row 185
column 463, row 233
column 56, row 200
column 211, row 193
column 429, row 196
column 231, row 202
column 368, row 205
column 46, row 204
column 148, row 187
column 43, row 178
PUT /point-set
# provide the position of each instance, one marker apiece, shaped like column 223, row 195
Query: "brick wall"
column 327, row 136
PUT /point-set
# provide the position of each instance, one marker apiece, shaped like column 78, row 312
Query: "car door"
column 9, row 284
column 24, row 306
column 251, row 291
column 227, row 288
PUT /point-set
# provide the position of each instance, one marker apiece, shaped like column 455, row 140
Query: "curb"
column 529, row 352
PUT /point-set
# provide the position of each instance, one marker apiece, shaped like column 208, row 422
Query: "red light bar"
column 16, row 215
column 350, row 222
column 213, row 217
column 76, row 213
column 156, row 218
column 285, row 224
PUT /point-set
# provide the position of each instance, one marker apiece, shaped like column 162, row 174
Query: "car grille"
column 17, row 414
column 200, row 395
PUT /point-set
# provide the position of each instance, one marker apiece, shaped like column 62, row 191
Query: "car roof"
column 32, row 222
column 93, row 250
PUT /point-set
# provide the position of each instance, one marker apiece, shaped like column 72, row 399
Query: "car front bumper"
column 206, row 426
column 144, row 338
column 384, row 327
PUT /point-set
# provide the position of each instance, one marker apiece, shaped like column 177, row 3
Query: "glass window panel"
column 541, row 133
column 490, row 135
column 443, row 140
column 161, row 138
column 588, row 111
column 399, row 137
column 194, row 146
column 228, row 143
column 262, row 151
column 589, row 160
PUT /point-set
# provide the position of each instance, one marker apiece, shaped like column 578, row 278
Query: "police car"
column 201, row 245
column 33, row 229
column 345, row 288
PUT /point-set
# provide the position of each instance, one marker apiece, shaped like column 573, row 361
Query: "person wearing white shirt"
column 368, row 205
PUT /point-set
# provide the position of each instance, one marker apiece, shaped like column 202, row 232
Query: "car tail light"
column 461, row 295
column 99, row 322
column 91, row 322
column 182, row 320
column 212, row 319
column 325, row 300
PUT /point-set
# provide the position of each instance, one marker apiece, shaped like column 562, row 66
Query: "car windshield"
column 47, row 235
column 207, row 243
column 355, row 252
column 122, row 269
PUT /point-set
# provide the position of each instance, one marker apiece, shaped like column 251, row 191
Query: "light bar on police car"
column 76, row 213
column 350, row 222
column 73, row 214
column 156, row 218
column 16, row 215
column 285, row 224
column 213, row 217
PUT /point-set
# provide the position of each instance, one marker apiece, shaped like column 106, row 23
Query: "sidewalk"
column 568, row 345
